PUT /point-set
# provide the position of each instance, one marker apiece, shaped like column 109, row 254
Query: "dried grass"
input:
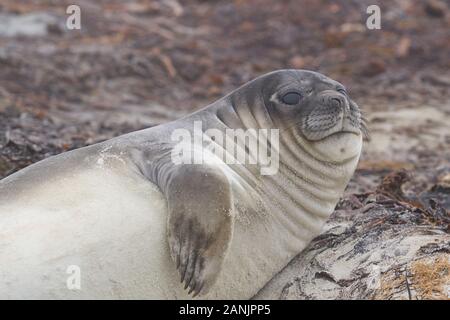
column 431, row 279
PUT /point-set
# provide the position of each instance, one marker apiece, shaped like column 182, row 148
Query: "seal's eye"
column 291, row 98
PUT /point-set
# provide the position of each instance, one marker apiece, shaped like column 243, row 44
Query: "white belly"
column 111, row 223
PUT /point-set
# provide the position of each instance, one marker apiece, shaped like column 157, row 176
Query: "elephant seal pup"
column 130, row 217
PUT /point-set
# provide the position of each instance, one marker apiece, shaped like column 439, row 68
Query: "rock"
column 383, row 249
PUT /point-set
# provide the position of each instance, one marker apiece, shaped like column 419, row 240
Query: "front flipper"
column 200, row 223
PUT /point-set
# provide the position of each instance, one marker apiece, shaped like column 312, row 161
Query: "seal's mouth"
column 342, row 133
column 323, row 130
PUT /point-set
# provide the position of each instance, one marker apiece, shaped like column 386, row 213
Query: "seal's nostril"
column 337, row 102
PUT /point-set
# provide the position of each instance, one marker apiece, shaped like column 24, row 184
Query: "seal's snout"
column 335, row 101
column 333, row 112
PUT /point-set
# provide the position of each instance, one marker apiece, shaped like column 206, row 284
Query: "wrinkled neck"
column 303, row 192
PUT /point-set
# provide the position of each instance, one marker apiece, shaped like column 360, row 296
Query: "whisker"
column 364, row 127
column 365, row 131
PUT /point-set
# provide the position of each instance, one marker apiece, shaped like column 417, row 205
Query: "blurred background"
column 135, row 64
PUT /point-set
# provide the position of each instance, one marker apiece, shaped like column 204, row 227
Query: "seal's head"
column 315, row 109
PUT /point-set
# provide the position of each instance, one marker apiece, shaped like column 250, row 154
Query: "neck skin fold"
column 304, row 191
